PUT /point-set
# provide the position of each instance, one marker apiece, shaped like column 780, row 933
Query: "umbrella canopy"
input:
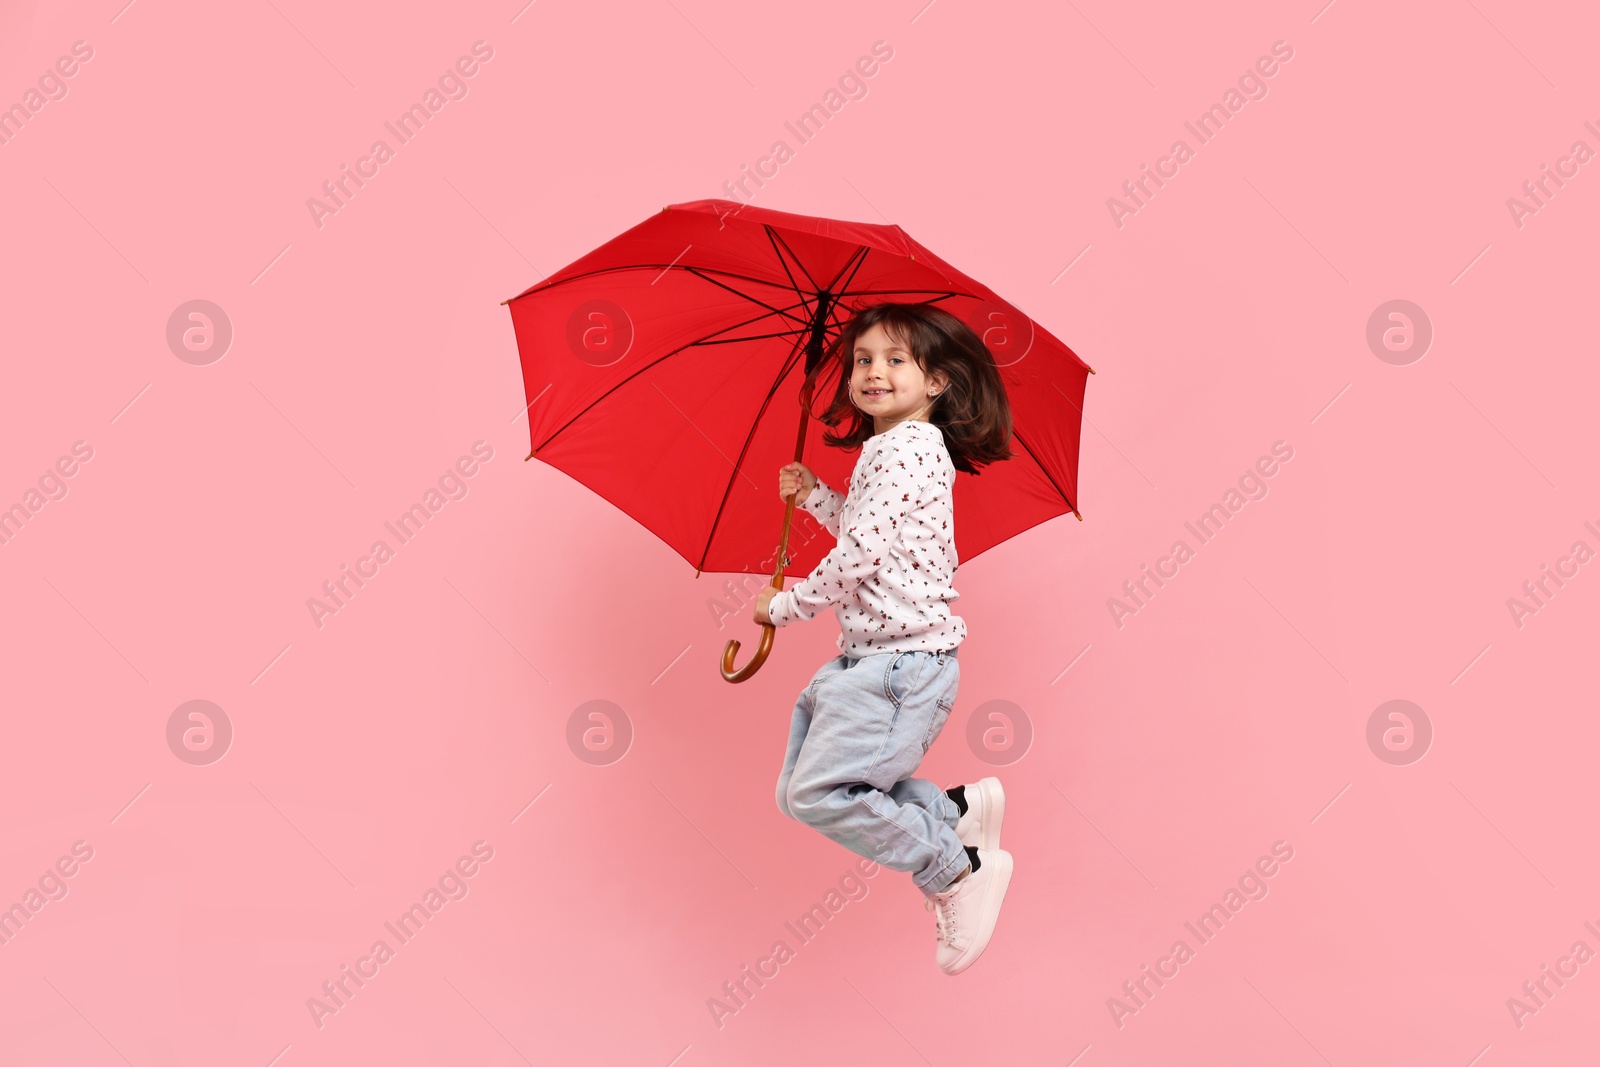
column 663, row 371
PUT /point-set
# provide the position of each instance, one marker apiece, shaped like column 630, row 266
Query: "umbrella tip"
column 1075, row 512
column 1091, row 369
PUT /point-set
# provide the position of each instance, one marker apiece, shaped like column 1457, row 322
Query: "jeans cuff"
column 955, row 861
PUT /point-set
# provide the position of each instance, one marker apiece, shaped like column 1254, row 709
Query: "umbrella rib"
column 860, row 258
column 800, row 342
column 780, row 246
column 635, row 374
column 942, row 293
column 1043, row 470
column 696, row 271
column 706, row 272
column 857, row 260
column 837, row 313
column 707, row 339
column 716, row 520
column 772, row 239
column 777, row 240
column 541, row 287
column 752, row 337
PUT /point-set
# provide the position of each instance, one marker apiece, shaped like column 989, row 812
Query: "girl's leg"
column 870, row 727
column 799, row 725
column 919, row 791
column 929, row 797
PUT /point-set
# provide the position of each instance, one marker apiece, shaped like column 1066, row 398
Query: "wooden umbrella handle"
column 731, row 650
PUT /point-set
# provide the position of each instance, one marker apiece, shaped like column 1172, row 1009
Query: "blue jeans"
column 859, row 730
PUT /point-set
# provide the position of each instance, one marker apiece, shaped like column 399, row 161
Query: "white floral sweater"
column 889, row 577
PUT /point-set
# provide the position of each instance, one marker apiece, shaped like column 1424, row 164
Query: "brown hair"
column 972, row 411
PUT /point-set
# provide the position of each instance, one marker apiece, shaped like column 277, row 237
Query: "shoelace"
column 944, row 916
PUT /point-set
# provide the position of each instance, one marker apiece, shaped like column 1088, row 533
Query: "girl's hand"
column 792, row 476
column 763, row 598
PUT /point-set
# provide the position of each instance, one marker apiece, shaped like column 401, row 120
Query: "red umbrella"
column 663, row 370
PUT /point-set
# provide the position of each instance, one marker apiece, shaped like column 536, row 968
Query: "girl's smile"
column 887, row 382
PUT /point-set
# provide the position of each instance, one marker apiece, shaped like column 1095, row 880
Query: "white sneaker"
column 986, row 808
column 965, row 914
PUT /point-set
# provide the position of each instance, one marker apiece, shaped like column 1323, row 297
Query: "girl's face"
column 887, row 383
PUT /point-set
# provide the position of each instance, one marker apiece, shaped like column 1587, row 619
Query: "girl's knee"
column 785, row 805
column 813, row 805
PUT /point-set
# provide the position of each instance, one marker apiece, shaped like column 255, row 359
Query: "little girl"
column 925, row 399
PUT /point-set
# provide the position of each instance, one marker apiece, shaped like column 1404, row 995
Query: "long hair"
column 972, row 411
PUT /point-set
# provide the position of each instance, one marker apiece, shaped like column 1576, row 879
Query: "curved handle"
column 732, row 649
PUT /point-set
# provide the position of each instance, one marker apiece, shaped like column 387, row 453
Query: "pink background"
column 431, row 712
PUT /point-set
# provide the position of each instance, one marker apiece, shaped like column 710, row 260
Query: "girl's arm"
column 897, row 481
column 824, row 504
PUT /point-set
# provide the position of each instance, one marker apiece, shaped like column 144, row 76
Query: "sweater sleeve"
column 824, row 504
column 894, row 486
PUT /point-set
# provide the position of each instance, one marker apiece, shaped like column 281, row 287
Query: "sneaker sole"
column 994, row 895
